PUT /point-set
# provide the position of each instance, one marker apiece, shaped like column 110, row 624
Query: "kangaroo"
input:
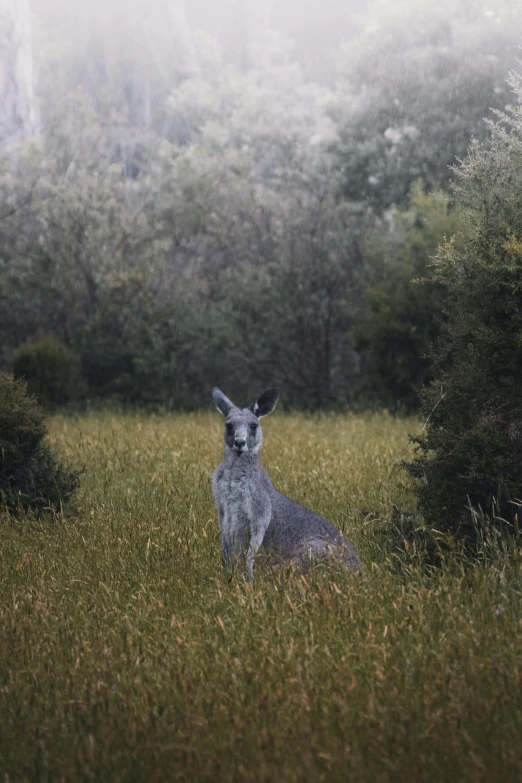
column 252, row 513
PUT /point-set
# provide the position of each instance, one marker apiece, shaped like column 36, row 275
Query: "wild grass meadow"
column 126, row 655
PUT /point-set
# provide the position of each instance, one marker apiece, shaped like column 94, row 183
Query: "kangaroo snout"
column 240, row 445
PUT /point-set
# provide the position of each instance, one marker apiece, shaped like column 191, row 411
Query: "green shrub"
column 400, row 321
column 31, row 475
column 52, row 371
column 469, row 455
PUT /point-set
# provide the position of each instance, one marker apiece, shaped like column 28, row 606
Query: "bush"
column 469, row 455
column 52, row 371
column 31, row 475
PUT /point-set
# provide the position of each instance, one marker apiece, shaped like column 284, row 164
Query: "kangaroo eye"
column 253, row 427
column 230, row 427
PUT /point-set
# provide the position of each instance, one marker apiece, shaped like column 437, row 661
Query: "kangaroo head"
column 243, row 433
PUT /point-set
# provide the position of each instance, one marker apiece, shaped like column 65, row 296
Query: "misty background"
column 236, row 193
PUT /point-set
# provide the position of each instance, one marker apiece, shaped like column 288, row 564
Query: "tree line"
column 165, row 230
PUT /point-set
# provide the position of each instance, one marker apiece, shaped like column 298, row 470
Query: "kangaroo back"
column 300, row 536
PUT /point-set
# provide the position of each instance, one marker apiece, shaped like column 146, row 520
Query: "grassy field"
column 126, row 655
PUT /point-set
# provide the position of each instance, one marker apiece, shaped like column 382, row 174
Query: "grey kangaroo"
column 252, row 513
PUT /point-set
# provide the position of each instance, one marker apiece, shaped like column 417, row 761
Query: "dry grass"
column 125, row 654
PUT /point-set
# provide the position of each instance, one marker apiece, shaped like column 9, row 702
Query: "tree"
column 400, row 320
column 32, row 476
column 18, row 110
column 470, row 449
column 414, row 88
column 172, row 211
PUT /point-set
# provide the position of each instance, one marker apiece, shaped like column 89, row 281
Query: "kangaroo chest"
column 236, row 491
column 234, row 494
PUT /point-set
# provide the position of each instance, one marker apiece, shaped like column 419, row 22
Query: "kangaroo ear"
column 266, row 403
column 222, row 402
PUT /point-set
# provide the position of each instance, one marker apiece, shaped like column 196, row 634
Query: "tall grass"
column 126, row 655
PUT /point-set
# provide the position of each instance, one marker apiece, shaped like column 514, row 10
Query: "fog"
column 251, row 183
column 316, row 27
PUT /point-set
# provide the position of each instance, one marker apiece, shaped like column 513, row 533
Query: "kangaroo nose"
column 239, row 442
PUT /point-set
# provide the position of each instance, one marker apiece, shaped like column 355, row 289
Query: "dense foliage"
column 241, row 224
column 32, row 476
column 417, row 85
column 400, row 319
column 51, row 370
column 471, row 448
